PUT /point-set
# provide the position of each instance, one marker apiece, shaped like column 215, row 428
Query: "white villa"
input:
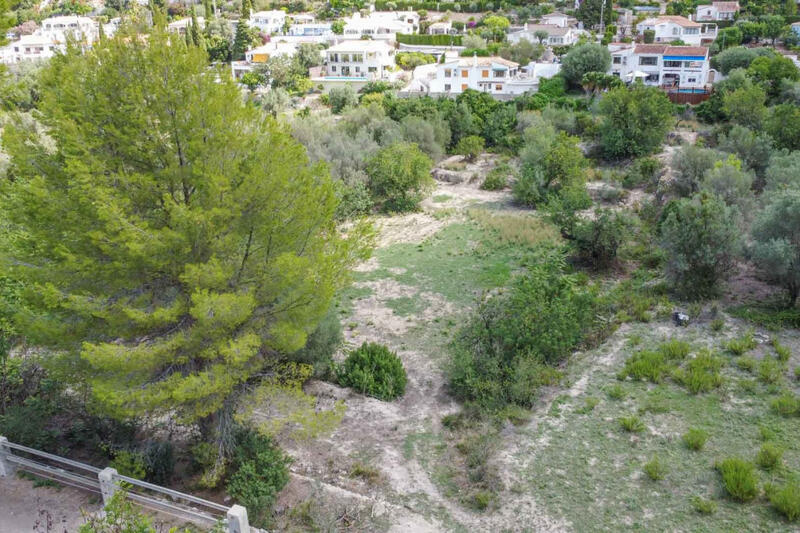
column 268, row 22
column 311, row 29
column 361, row 60
column 493, row 75
column 182, row 25
column 672, row 28
column 556, row 35
column 381, row 24
column 717, row 11
column 440, row 28
column 556, row 19
column 50, row 38
column 674, row 67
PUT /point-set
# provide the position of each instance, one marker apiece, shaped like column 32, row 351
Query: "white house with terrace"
column 556, row 35
column 50, row 38
column 260, row 55
column 493, row 75
column 268, row 22
column 717, row 11
column 669, row 28
column 383, row 25
column 663, row 65
column 356, row 63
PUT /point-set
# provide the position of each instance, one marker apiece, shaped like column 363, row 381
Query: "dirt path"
column 381, row 434
column 22, row 506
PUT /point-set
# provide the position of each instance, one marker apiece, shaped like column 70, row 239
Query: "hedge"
column 429, row 40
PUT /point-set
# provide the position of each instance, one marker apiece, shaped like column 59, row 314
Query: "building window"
column 372, row 69
column 692, row 80
column 498, row 87
column 672, row 64
column 463, row 86
column 651, row 78
column 358, row 69
column 617, row 60
column 648, row 60
column 447, row 72
column 691, row 31
column 447, row 87
column 499, row 74
column 465, row 74
column 333, row 68
column 484, row 74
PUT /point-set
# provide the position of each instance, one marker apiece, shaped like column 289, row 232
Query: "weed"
column 704, row 506
column 589, row 403
column 616, row 392
column 769, row 456
column 695, row 439
column 365, row 472
column 786, row 500
column 787, row 404
column 654, row 469
column 739, row 478
column 645, row 365
column 480, row 500
column 674, row 349
column 634, row 340
column 766, row 433
column 515, row 229
column 701, row 373
column 441, row 198
column 741, row 345
column 773, row 318
column 797, row 372
column 783, row 353
column 770, row 370
column 39, row 481
column 746, row 363
column 631, row 424
column 717, row 325
column 515, row 414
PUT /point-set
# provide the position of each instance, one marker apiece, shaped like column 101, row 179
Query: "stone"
column 680, row 318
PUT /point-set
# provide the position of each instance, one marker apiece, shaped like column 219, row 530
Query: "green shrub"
column 786, row 500
column 769, row 456
column 746, row 363
column 159, row 462
column 497, row 179
column 703, row 506
column 770, row 370
column 120, row 514
column 631, row 424
column 717, row 325
column 589, row 403
column 399, row 177
column 374, row 370
column 470, row 147
column 797, row 372
column 787, row 404
column 506, row 352
column 321, row 344
column 597, row 240
column 646, row 365
column 260, row 471
column 701, row 373
column 655, row 469
column 695, row 439
column 741, row 345
column 783, row 353
column 129, row 464
column 480, row 500
column 616, row 392
column 739, row 478
column 368, row 473
column 674, row 349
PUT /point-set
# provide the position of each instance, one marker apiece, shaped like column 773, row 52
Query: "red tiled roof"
column 686, row 51
column 650, row 48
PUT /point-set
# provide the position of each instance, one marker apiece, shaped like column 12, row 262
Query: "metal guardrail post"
column 237, row 520
column 108, row 485
column 7, row 468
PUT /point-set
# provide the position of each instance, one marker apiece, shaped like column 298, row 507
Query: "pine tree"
column 170, row 260
column 209, row 9
column 247, row 7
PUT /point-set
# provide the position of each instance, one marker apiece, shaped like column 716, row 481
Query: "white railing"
column 107, row 481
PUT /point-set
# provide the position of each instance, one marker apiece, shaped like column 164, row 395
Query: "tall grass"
column 515, row 229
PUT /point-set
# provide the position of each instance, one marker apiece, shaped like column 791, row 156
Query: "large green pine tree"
column 242, row 40
column 172, row 241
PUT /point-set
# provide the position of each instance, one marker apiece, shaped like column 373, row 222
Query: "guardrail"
column 107, row 481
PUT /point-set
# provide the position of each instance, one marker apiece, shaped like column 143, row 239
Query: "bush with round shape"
column 374, row 370
column 739, row 478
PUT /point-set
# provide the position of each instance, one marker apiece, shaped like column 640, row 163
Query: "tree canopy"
column 172, row 241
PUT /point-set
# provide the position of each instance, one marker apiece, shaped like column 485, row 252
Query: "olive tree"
column 776, row 247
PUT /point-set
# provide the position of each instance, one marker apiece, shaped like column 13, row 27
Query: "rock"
column 379, row 509
column 680, row 318
column 450, row 176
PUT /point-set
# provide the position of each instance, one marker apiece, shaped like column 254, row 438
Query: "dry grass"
column 515, row 228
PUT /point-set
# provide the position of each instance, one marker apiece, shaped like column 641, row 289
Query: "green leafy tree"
column 243, row 39
column 730, row 182
column 783, row 172
column 208, row 10
column 342, row 97
column 635, row 120
column 337, row 27
column 589, row 12
column 701, row 236
column 541, row 35
column 771, row 70
column 194, row 31
column 776, row 236
column 252, row 80
column 754, row 150
column 774, row 26
column 783, row 125
column 738, row 57
column 399, row 177
column 247, row 7
column 470, row 147
column 585, row 58
column 690, row 164
column 176, row 256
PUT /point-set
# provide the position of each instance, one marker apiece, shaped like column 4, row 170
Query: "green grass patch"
column 406, row 305
column 772, row 318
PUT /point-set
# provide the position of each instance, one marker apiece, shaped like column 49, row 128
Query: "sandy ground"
column 22, row 507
